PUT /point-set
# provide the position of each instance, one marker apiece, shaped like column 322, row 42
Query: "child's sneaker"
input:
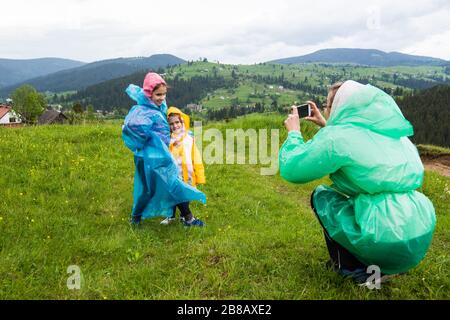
column 135, row 220
column 167, row 221
column 193, row 222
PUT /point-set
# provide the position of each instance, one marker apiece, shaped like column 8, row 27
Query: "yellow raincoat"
column 186, row 153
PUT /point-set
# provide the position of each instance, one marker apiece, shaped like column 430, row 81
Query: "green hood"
column 373, row 109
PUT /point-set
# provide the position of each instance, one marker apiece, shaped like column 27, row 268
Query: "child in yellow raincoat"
column 187, row 156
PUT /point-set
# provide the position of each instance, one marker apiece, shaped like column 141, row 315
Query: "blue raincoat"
column 157, row 187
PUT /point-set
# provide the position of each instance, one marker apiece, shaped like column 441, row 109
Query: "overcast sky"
column 229, row 31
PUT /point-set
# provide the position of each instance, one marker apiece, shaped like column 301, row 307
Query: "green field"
column 249, row 90
column 249, row 94
column 66, row 195
column 296, row 73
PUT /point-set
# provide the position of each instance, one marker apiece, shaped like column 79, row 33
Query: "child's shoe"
column 359, row 275
column 193, row 222
column 167, row 221
column 135, row 220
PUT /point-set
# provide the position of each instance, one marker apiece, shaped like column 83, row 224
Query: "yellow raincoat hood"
column 186, row 118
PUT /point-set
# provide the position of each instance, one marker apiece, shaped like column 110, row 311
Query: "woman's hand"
column 292, row 123
column 316, row 116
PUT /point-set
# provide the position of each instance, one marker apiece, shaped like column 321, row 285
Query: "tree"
column 28, row 103
column 234, row 75
column 77, row 108
column 274, row 103
column 90, row 112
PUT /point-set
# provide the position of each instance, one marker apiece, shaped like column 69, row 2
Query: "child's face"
column 175, row 124
column 159, row 95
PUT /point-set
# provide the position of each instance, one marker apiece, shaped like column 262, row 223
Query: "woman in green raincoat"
column 371, row 214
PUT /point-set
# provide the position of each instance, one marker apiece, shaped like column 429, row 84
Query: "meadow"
column 66, row 196
column 249, row 90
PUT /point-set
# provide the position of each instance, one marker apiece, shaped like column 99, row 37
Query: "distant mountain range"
column 14, row 71
column 92, row 73
column 59, row 75
column 369, row 57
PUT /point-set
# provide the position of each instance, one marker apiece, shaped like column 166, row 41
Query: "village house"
column 52, row 117
column 8, row 117
column 56, row 107
column 194, row 107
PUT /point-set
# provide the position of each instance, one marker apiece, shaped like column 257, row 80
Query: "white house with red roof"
column 8, row 117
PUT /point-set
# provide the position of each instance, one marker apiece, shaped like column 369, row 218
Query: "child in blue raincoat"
column 146, row 132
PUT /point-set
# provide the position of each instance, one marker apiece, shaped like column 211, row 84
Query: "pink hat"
column 150, row 82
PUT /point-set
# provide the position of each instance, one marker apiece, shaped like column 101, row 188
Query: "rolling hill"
column 250, row 84
column 96, row 72
column 369, row 57
column 14, row 71
column 111, row 94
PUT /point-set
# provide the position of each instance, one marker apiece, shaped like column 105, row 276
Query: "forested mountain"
column 369, row 57
column 429, row 113
column 96, row 72
column 13, row 71
column 111, row 94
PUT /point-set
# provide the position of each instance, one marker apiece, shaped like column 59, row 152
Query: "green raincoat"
column 372, row 208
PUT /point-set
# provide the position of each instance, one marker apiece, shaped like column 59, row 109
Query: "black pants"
column 185, row 212
column 340, row 257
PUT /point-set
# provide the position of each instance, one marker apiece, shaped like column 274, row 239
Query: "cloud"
column 232, row 31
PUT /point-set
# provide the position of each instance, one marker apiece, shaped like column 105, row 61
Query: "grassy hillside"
column 66, row 200
column 252, row 83
column 429, row 150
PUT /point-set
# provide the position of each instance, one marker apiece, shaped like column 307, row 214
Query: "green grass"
column 66, row 200
column 250, row 93
column 429, row 150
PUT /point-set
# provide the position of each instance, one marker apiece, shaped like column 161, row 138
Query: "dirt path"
column 440, row 164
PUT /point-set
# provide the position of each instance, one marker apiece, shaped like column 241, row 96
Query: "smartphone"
column 304, row 110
